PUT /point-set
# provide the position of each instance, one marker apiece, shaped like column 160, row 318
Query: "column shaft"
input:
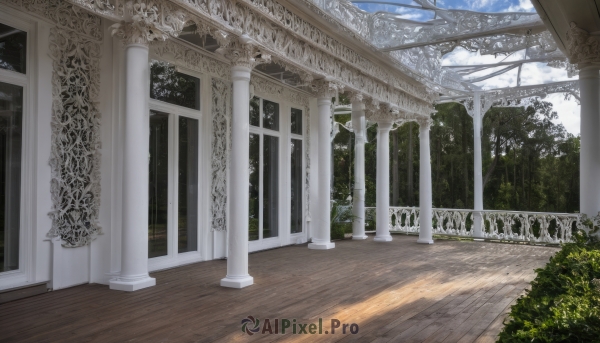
column 383, row 182
column 589, row 85
column 358, row 199
column 477, row 168
column 425, row 200
column 322, row 229
column 134, row 244
column 237, row 254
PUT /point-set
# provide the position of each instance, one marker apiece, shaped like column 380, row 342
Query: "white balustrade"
column 532, row 227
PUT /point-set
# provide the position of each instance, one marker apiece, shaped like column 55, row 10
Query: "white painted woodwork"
column 358, row 199
column 383, row 182
column 425, row 200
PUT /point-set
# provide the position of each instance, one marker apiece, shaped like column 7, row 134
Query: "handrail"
column 518, row 226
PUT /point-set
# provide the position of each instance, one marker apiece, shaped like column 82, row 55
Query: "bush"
column 563, row 304
column 338, row 230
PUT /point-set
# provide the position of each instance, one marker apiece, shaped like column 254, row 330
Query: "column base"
column 425, row 241
column 237, row 282
column 321, row 246
column 382, row 238
column 359, row 237
column 131, row 286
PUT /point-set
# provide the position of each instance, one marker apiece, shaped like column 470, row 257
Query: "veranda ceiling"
column 424, row 37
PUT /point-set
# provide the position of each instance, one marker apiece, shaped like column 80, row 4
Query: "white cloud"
column 531, row 74
column 523, row 6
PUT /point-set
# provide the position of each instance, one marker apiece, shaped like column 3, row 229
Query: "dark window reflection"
column 13, row 49
column 159, row 176
column 11, row 118
column 167, row 85
column 188, row 185
column 270, row 186
column 255, row 111
column 270, row 115
column 296, row 186
column 254, row 205
column 296, row 121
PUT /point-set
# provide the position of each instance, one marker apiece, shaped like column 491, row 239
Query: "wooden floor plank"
column 397, row 291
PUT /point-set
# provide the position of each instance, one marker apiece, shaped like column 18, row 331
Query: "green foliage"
column 563, row 304
column 529, row 162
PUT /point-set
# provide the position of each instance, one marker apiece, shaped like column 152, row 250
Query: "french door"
column 174, row 151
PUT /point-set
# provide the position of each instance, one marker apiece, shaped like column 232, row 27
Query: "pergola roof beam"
column 499, row 64
column 534, row 26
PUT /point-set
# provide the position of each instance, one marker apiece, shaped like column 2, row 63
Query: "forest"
column 530, row 163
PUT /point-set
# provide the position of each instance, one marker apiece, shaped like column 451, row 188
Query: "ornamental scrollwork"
column 63, row 15
column 285, row 35
column 75, row 149
column 145, row 23
column 242, row 52
column 265, row 86
column 220, row 142
column 181, row 55
column 581, row 46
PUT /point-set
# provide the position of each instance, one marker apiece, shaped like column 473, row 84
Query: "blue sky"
column 532, row 73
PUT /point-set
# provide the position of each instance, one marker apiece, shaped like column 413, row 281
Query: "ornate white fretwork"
column 63, row 15
column 554, row 228
column 285, row 35
column 221, row 122
column 241, row 52
column 75, row 143
column 264, row 85
column 181, row 55
column 146, row 22
column 581, row 46
column 508, row 97
column 75, row 151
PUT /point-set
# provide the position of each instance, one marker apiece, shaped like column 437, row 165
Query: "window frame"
column 173, row 258
column 285, row 136
column 25, row 273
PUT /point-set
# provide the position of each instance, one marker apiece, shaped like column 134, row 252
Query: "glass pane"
column 188, row 185
column 296, row 215
column 167, row 85
column 255, row 111
column 296, row 121
column 13, row 49
column 270, row 115
column 159, row 177
column 11, row 118
column 270, row 186
column 254, row 187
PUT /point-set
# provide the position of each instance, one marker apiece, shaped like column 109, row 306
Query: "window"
column 11, row 119
column 296, row 168
column 13, row 49
column 264, row 169
column 174, row 162
column 13, row 73
column 168, row 85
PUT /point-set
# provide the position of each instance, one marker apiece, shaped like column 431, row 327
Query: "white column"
column 237, row 255
column 425, row 200
column 478, row 187
column 383, row 182
column 589, row 160
column 134, row 243
column 358, row 199
column 321, row 237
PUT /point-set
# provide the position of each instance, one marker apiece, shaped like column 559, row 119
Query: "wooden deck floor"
column 400, row 291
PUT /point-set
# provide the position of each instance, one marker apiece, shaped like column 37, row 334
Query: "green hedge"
column 563, row 304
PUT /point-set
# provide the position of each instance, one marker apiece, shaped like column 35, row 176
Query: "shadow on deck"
column 452, row 291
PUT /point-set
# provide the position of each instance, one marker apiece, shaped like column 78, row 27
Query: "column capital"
column 355, row 96
column 424, row 123
column 144, row 23
column 240, row 51
column 582, row 47
column 326, row 89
